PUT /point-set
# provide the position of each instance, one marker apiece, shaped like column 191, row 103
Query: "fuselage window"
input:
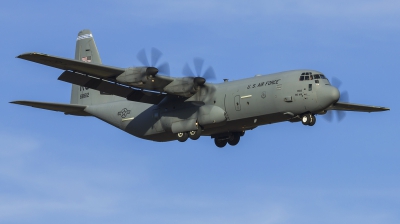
column 309, row 87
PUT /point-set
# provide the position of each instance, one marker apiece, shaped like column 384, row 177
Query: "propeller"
column 199, row 78
column 344, row 97
column 155, row 56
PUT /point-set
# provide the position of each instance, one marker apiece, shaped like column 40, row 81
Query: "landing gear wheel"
column 220, row 142
column 306, row 119
column 194, row 135
column 182, row 136
column 234, row 139
column 313, row 120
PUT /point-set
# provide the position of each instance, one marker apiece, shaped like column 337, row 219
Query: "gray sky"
column 64, row 169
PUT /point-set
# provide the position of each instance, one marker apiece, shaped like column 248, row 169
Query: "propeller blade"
column 142, row 57
column 336, row 82
column 344, row 96
column 209, row 74
column 187, row 71
column 198, row 65
column 164, row 69
column 340, row 115
column 155, row 56
column 328, row 116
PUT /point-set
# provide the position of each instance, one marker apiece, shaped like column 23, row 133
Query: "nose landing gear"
column 308, row 119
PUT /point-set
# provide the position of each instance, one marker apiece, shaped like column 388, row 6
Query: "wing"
column 356, row 107
column 101, row 71
column 103, row 78
column 72, row 109
column 112, row 87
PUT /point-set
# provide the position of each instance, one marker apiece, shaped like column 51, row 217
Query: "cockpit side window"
column 310, row 76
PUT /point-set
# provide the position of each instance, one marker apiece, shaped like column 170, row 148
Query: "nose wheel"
column 308, row 119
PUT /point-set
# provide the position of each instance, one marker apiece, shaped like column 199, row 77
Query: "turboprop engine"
column 137, row 75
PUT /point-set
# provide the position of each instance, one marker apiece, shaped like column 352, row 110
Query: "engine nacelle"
column 134, row 75
column 181, row 87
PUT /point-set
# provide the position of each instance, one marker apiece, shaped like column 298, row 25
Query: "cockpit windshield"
column 309, row 76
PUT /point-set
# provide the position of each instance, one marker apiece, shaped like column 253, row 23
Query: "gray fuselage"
column 248, row 103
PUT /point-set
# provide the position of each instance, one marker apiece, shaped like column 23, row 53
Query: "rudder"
column 86, row 50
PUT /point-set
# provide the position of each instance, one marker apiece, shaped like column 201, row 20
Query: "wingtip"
column 24, row 55
column 16, row 102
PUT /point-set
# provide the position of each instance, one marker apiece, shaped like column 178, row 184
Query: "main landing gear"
column 308, row 119
column 220, row 140
column 194, row 135
column 231, row 139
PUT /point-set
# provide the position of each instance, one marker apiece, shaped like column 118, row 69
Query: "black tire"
column 194, row 135
column 234, row 139
column 313, row 120
column 220, row 142
column 306, row 119
column 182, row 136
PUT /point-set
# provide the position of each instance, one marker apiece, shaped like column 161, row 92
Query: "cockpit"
column 306, row 76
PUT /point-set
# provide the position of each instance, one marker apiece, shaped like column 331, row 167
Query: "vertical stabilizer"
column 86, row 50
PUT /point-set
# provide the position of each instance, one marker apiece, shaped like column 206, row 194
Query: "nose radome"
column 328, row 95
column 335, row 94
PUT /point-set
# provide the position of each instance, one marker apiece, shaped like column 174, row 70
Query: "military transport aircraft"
column 149, row 104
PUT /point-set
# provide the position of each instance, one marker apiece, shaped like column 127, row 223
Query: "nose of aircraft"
column 329, row 95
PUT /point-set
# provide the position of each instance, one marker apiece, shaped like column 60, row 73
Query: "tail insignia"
column 84, row 36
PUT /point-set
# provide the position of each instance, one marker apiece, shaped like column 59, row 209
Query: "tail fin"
column 86, row 50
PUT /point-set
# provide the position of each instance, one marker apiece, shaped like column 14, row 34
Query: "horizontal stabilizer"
column 71, row 109
column 97, row 70
column 356, row 107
